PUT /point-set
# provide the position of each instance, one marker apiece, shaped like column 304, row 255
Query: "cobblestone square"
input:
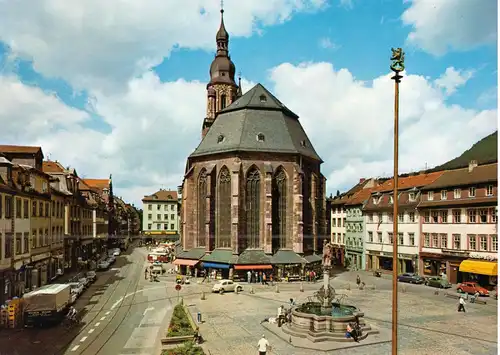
column 428, row 323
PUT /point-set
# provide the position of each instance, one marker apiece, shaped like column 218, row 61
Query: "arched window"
column 222, row 102
column 279, row 207
column 202, row 207
column 224, row 210
column 252, row 204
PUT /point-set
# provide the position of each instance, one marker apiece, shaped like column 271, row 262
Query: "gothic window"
column 279, row 198
column 222, row 102
column 252, row 204
column 202, row 207
column 224, row 210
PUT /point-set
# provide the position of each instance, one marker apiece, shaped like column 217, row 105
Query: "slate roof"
column 462, row 177
column 258, row 112
column 253, row 257
column 224, row 256
column 194, row 254
column 287, row 256
column 313, row 258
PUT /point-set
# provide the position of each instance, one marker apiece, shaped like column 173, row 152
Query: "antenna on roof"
column 48, row 156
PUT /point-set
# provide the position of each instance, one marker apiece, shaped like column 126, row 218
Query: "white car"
column 76, row 288
column 116, row 252
column 226, row 286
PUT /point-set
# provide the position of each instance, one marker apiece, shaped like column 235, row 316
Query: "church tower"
column 222, row 89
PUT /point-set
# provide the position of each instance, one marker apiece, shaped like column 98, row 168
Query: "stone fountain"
column 325, row 316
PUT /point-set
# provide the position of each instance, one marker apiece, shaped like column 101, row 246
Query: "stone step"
column 316, row 337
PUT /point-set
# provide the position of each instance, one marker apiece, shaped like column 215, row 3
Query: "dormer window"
column 303, row 143
column 444, row 194
column 263, row 98
column 472, row 191
column 261, row 137
column 430, row 195
column 412, row 196
column 391, row 199
column 220, row 138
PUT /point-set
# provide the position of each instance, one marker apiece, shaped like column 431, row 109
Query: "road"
column 128, row 316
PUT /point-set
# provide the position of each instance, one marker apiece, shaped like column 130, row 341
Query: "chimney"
column 361, row 180
column 472, row 165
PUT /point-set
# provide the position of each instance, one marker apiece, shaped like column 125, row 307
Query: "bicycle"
column 69, row 323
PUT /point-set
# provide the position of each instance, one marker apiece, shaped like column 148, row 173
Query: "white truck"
column 48, row 304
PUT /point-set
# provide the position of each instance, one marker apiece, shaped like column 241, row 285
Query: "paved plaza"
column 126, row 314
column 428, row 323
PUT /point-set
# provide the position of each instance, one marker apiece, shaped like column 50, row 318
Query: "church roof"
column 256, row 122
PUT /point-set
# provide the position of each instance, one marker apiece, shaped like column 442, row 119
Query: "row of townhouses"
column 447, row 224
column 51, row 221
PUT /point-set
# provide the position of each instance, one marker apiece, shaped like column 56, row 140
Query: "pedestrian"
column 271, row 279
column 461, row 305
column 358, row 280
column 263, row 345
column 264, row 279
column 146, row 274
column 249, row 276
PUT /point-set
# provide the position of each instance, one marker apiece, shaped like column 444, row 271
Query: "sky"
column 119, row 86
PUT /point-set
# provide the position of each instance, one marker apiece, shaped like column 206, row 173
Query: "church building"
column 253, row 195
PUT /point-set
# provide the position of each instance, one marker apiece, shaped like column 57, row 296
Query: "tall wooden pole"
column 397, row 67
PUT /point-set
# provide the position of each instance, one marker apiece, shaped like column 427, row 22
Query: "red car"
column 472, row 288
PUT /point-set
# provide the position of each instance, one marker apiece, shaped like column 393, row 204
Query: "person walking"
column 146, row 274
column 461, row 305
column 358, row 280
column 263, row 345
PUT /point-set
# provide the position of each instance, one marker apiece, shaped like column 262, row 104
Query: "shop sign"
column 453, row 252
column 483, row 257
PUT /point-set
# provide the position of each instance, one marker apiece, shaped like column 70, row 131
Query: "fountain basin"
column 310, row 320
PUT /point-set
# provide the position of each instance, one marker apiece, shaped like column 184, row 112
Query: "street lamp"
column 397, row 66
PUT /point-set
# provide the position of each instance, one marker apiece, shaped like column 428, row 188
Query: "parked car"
column 111, row 260
column 73, row 298
column 226, row 286
column 437, row 281
column 103, row 265
column 84, row 281
column 472, row 288
column 76, row 288
column 116, row 252
column 91, row 276
column 411, row 278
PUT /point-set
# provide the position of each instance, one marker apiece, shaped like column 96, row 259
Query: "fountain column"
column 326, row 287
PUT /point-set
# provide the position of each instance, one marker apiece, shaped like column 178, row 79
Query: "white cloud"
column 452, row 79
column 439, row 26
column 102, row 44
column 327, row 43
column 351, row 123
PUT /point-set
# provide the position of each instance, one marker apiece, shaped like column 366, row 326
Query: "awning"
column 208, row 265
column 185, row 262
column 489, row 268
column 253, row 267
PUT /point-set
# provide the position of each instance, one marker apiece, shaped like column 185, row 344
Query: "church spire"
column 222, row 37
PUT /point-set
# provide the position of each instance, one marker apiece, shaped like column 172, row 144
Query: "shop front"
column 407, row 263
column 313, row 263
column 222, row 271
column 288, row 265
column 484, row 272
column 241, row 272
column 39, row 269
column 221, row 261
column 338, row 255
column 185, row 266
column 432, row 264
column 6, row 285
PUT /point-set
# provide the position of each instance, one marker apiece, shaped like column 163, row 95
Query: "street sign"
column 178, row 288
